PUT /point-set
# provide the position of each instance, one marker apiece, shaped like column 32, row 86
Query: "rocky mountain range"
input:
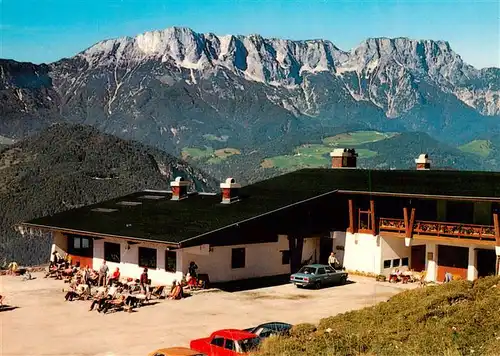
column 178, row 89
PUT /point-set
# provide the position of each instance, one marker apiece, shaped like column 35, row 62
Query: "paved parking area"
column 44, row 324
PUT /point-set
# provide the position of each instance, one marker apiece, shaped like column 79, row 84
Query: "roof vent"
column 230, row 190
column 344, row 158
column 423, row 162
column 179, row 188
column 104, row 210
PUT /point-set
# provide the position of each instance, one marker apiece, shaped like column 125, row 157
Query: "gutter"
column 89, row 233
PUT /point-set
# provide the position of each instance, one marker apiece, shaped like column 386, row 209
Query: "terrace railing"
column 445, row 229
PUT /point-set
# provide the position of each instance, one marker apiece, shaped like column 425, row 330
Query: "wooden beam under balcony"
column 372, row 216
column 496, row 224
column 412, row 222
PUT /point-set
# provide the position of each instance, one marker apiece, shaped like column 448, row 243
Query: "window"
column 147, row 257
column 321, row 271
column 329, row 270
column 218, row 341
column 230, row 345
column 395, row 262
column 285, row 257
column 238, row 258
column 387, row 264
column 80, row 246
column 170, row 261
column 112, row 252
column 404, row 262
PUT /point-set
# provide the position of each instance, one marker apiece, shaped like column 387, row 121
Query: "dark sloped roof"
column 175, row 221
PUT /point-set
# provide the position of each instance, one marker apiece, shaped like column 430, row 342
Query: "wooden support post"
column 372, row 216
column 405, row 216
column 412, row 222
column 352, row 228
column 496, row 224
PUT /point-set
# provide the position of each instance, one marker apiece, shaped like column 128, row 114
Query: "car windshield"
column 248, row 345
column 307, row 270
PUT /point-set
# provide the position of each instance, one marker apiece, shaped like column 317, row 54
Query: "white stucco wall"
column 129, row 258
column 363, row 253
column 59, row 244
column 339, row 245
column 261, row 260
column 393, row 248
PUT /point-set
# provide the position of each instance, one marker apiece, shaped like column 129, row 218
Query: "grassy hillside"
column 70, row 166
column 481, row 148
column 458, row 318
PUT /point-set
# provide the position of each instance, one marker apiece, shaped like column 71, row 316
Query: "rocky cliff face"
column 170, row 88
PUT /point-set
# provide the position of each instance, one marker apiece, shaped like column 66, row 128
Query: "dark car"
column 318, row 275
column 269, row 329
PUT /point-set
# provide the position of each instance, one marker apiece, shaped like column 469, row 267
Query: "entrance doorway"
column 486, row 261
column 452, row 259
column 325, row 248
column 418, row 258
column 81, row 249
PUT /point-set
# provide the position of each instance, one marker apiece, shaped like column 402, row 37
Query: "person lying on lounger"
column 99, row 299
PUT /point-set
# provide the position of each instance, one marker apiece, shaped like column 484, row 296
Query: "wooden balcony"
column 434, row 228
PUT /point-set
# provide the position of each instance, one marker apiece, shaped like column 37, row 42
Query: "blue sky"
column 47, row 30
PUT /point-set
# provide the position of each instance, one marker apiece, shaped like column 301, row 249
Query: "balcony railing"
column 468, row 231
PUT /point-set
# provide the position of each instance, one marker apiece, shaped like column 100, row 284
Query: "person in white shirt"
column 332, row 260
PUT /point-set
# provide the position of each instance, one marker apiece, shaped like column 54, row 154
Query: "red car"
column 227, row 342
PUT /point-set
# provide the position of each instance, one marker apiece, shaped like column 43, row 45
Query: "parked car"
column 318, row 275
column 227, row 342
column 269, row 329
column 176, row 351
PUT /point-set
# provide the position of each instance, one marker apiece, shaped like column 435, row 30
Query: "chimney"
column 229, row 191
column 179, row 188
column 344, row 158
column 423, row 162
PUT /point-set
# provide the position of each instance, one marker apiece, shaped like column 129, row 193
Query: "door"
column 322, row 276
column 486, row 262
column 81, row 249
column 333, row 277
column 325, row 249
column 418, row 258
column 452, row 259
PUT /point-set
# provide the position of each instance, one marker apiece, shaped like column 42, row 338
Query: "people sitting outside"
column 103, row 271
column 144, row 281
column 115, row 277
column 117, row 301
column 395, row 275
column 99, row 299
column 191, row 281
column 75, row 290
column 176, row 291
